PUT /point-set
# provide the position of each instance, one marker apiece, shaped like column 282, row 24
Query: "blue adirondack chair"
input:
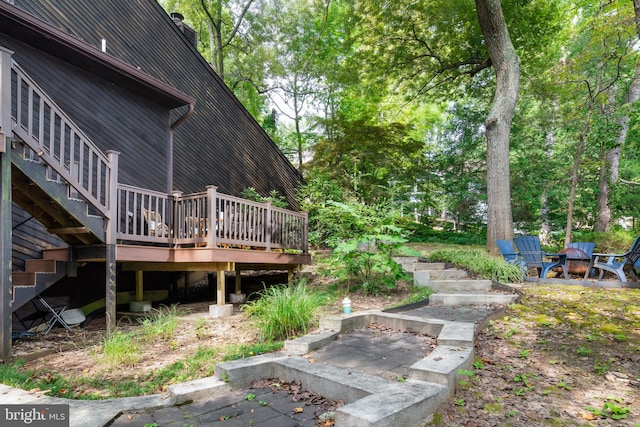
column 586, row 247
column 509, row 254
column 534, row 257
column 618, row 264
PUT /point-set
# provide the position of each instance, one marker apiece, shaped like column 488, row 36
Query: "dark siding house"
column 220, row 143
column 122, row 152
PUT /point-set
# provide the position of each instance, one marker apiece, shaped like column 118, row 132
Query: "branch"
column 238, row 22
column 624, row 181
column 206, row 11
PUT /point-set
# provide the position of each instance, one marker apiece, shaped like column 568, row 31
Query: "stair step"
column 58, row 254
column 448, row 274
column 452, row 286
column 23, row 278
column 40, row 265
column 423, row 278
column 470, row 298
column 422, row 266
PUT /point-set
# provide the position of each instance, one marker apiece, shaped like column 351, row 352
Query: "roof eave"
column 33, row 31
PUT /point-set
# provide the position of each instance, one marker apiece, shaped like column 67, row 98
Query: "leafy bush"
column 426, row 234
column 367, row 262
column 283, row 312
column 274, row 197
column 480, row 263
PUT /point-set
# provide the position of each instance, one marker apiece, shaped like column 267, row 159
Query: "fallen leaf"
column 589, row 416
column 298, row 410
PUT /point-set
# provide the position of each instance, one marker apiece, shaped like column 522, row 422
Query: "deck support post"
column 238, row 279
column 139, row 285
column 5, row 98
column 110, row 247
column 220, row 296
column 110, row 291
column 5, row 250
column 6, row 236
column 290, row 275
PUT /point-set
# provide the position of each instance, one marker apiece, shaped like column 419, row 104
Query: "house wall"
column 113, row 118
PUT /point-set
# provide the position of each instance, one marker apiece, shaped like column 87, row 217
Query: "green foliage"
column 610, row 409
column 364, row 240
column 367, row 262
column 283, row 312
column 425, row 233
column 120, row 349
column 479, row 262
column 235, row 351
column 160, row 324
column 352, row 157
column 417, row 294
column 274, row 197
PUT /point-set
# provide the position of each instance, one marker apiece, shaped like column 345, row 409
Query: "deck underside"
column 152, row 258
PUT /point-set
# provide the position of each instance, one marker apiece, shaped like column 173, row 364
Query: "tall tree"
column 231, row 36
column 609, row 171
column 498, row 123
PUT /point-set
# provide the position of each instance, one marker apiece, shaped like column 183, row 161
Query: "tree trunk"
column 575, row 177
column 610, row 165
column 498, row 123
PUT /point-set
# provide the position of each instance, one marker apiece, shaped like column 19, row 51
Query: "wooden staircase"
column 39, row 275
column 50, row 203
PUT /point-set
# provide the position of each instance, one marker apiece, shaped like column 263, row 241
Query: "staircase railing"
column 59, row 142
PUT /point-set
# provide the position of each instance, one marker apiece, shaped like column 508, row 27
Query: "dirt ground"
column 535, row 366
column 77, row 353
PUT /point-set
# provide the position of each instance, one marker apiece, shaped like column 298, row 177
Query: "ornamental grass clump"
column 480, row 263
column 283, row 312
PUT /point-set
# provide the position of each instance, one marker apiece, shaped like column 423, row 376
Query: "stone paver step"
column 461, row 286
column 472, row 298
column 423, row 278
column 422, row 266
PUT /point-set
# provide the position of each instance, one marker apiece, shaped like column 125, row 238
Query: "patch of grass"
column 160, row 324
column 235, row 351
column 417, row 294
column 120, row 349
column 284, row 312
column 201, row 328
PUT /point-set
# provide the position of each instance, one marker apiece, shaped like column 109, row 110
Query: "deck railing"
column 53, row 137
column 208, row 219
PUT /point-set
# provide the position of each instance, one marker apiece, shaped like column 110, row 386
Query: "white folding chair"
column 56, row 316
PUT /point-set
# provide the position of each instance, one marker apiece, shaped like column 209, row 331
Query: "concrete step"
column 423, row 278
column 411, row 264
column 422, row 266
column 457, row 286
column 470, row 298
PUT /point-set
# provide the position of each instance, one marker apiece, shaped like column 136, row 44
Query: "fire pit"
column 577, row 260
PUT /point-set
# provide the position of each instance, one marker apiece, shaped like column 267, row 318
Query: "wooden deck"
column 156, row 258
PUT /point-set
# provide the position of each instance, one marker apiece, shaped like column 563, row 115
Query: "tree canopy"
column 493, row 115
